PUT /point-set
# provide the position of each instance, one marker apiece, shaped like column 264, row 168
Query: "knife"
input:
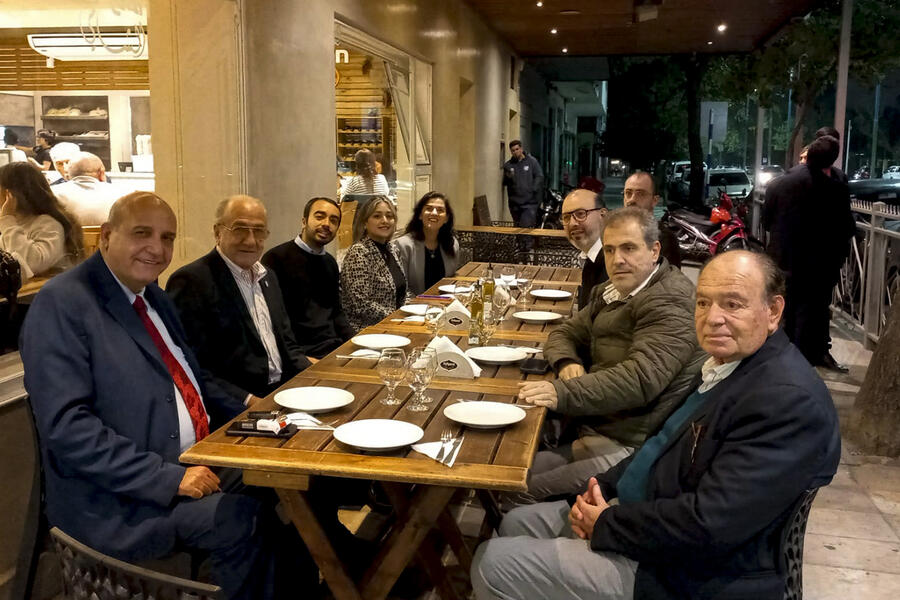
column 453, row 448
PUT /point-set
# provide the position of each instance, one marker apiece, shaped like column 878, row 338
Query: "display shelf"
column 83, row 138
column 75, row 117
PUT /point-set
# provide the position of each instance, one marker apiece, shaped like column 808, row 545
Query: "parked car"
column 892, row 172
column 733, row 182
column 876, row 190
column 677, row 169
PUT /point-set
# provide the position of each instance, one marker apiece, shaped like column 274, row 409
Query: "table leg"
column 403, row 543
column 301, row 514
column 492, row 513
column 430, row 556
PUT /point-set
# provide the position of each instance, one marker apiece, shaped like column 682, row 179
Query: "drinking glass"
column 509, row 274
column 434, row 317
column 422, row 365
column 488, row 327
column 392, row 369
column 466, row 296
column 502, row 299
column 524, row 289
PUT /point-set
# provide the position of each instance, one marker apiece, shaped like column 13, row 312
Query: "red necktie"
column 182, row 382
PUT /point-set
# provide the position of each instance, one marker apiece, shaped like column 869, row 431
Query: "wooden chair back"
column 91, row 235
column 481, row 212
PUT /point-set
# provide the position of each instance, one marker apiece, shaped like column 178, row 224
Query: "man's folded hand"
column 198, row 482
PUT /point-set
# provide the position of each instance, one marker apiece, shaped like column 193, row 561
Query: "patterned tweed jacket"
column 367, row 288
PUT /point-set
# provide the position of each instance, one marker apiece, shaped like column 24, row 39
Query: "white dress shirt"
column 186, row 436
column 714, row 373
column 611, row 294
column 594, row 251
column 306, row 247
column 251, row 291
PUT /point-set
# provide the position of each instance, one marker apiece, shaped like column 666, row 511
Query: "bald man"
column 583, row 212
column 232, row 307
column 117, row 396
column 87, row 194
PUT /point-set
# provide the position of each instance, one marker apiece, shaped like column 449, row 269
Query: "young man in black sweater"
column 310, row 282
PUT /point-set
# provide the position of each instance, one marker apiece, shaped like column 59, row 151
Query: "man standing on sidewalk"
column 524, row 182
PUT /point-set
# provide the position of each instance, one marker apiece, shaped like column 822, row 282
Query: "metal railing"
column 870, row 278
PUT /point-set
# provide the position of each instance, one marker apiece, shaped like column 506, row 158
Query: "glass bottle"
column 476, row 314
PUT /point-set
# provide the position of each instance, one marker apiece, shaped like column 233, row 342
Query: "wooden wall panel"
column 23, row 69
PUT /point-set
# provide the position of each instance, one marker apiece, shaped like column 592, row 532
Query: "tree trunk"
column 694, row 68
column 795, row 144
column 874, row 421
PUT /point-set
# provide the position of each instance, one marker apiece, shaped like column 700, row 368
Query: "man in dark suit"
column 701, row 503
column 117, row 396
column 583, row 212
column 807, row 213
column 310, row 280
column 232, row 307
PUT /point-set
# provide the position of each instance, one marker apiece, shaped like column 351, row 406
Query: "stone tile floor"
column 852, row 548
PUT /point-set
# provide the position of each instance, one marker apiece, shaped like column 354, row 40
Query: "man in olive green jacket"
column 625, row 361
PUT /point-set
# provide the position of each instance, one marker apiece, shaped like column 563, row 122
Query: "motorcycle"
column 550, row 210
column 699, row 238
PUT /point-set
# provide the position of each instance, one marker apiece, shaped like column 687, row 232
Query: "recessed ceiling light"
column 722, row 27
column 565, row 50
column 553, row 31
column 540, row 4
column 570, row 13
column 709, row 43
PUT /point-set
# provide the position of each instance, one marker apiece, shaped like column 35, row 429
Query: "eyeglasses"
column 242, row 231
column 579, row 215
column 636, row 193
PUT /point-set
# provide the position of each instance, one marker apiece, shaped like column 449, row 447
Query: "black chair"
column 91, row 574
column 791, row 545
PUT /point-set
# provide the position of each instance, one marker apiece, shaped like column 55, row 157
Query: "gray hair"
column 635, row 214
column 367, row 210
column 63, row 151
column 84, row 163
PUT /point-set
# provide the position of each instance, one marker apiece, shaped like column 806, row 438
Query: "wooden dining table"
column 419, row 488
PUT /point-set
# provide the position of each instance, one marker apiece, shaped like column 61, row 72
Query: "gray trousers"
column 567, row 469
column 538, row 556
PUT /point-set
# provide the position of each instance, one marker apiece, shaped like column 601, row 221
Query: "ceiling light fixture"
column 565, row 50
column 540, row 4
column 553, row 31
column 722, row 27
column 709, row 43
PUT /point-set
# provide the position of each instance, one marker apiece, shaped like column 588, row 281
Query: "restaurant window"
column 383, row 104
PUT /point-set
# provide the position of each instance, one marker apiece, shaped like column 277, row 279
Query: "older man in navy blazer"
column 117, row 396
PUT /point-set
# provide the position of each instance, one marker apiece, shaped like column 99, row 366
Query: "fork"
column 446, row 438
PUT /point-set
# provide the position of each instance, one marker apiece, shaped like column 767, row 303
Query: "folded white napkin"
column 444, row 349
column 457, row 306
column 431, row 449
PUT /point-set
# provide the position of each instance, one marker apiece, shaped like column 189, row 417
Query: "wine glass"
column 464, row 293
column 392, row 369
column 434, row 317
column 502, row 299
column 524, row 288
column 488, row 327
column 508, row 275
column 422, row 365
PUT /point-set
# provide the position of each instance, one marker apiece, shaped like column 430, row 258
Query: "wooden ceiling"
column 614, row 27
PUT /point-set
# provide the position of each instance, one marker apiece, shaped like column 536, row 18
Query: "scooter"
column 550, row 210
column 699, row 238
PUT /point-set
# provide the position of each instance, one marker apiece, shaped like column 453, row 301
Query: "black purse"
column 10, row 277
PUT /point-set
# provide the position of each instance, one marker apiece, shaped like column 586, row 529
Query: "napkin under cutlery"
column 432, row 449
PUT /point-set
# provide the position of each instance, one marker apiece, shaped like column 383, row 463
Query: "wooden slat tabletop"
column 489, row 459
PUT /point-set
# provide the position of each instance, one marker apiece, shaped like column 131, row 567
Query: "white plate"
column 414, row 309
column 455, row 289
column 551, row 294
column 313, row 399
column 484, row 415
column 496, row 355
column 537, row 316
column 380, row 341
column 379, row 435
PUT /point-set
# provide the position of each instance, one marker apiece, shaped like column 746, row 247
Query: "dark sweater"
column 310, row 285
